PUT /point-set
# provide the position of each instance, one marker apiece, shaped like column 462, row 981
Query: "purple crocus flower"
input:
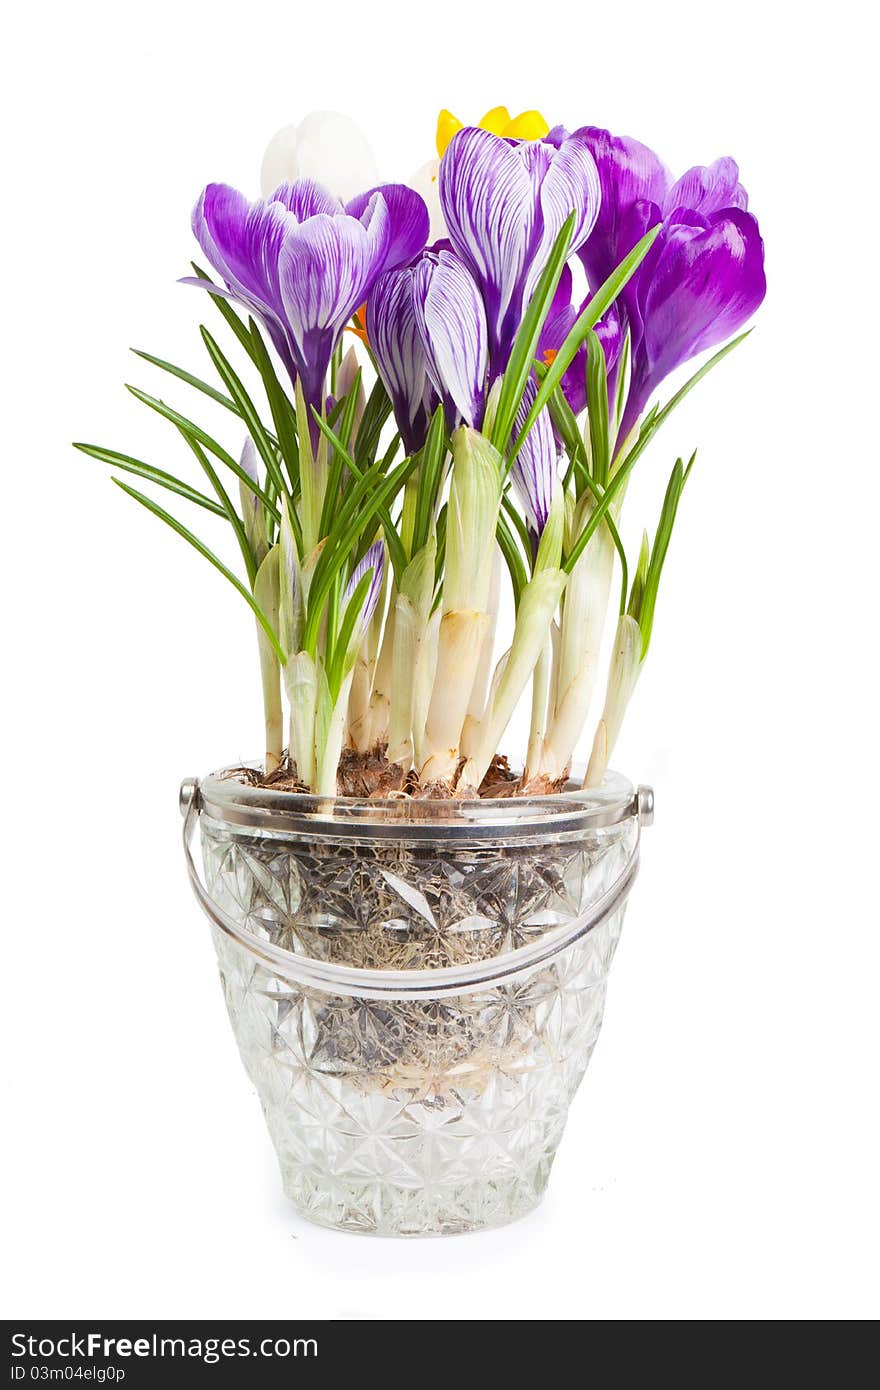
column 302, row 264
column 704, row 275
column 400, row 358
column 504, row 205
column 451, row 320
column 427, row 327
column 373, row 561
column 702, row 281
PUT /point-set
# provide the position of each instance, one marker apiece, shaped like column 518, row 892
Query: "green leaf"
column 512, row 558
column 249, row 414
column 336, row 670
column 624, row 467
column 153, row 475
column 597, row 306
column 228, row 312
column 332, row 560
column 344, row 510
column 668, row 512
column 247, row 554
column 279, row 404
column 526, row 343
column 196, row 432
column 429, row 479
column 376, row 412
column 597, row 403
column 209, row 555
column 190, row 380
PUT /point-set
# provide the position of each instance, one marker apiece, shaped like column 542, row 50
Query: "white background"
column 721, row 1159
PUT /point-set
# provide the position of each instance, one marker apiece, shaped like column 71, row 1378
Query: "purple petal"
column 707, row 280
column 534, row 471
column 374, row 560
column 504, row 206
column 708, row 189
column 408, row 218
column 326, row 267
column 451, row 319
column 305, row 198
column 629, row 174
column 400, row 358
column 242, row 241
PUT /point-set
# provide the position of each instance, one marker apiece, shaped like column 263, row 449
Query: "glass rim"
column 224, row 798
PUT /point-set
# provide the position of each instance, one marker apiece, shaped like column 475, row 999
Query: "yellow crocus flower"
column 528, row 125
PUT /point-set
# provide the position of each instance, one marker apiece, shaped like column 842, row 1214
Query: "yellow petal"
column 528, row 125
column 496, row 120
column 447, row 125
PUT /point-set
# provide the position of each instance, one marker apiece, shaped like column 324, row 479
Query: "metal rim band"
column 332, row 978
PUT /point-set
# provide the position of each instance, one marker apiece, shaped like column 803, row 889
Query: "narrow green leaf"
column 332, row 560
column 376, row 412
column 203, row 386
column 256, row 429
column 247, row 554
column 512, row 558
column 209, row 555
column 189, row 427
column 668, row 512
column 625, row 467
column 228, row 312
column 343, row 511
column 597, row 306
column 336, row 669
column 283, row 414
column 526, row 343
column 153, row 475
column 597, row 406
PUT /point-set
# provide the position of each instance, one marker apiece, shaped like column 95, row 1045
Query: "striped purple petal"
column 451, row 319
column 326, row 268
column 400, row 358
column 534, row 471
column 373, row 561
column 504, row 206
column 299, row 263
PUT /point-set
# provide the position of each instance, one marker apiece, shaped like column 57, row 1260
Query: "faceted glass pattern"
column 414, row 1116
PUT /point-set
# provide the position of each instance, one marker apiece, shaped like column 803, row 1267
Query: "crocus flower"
column 704, row 282
column 452, row 322
column 704, row 275
column 504, row 205
column 400, row 358
column 325, row 146
column 528, row 125
column 302, row 264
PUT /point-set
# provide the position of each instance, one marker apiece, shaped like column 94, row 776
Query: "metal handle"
column 436, row 983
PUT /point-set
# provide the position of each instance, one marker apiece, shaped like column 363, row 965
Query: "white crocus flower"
column 426, row 181
column 325, row 146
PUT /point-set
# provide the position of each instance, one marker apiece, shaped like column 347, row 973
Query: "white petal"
column 279, row 162
column 333, row 150
column 427, row 182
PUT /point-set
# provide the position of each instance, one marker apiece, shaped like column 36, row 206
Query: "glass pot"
column 415, row 986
